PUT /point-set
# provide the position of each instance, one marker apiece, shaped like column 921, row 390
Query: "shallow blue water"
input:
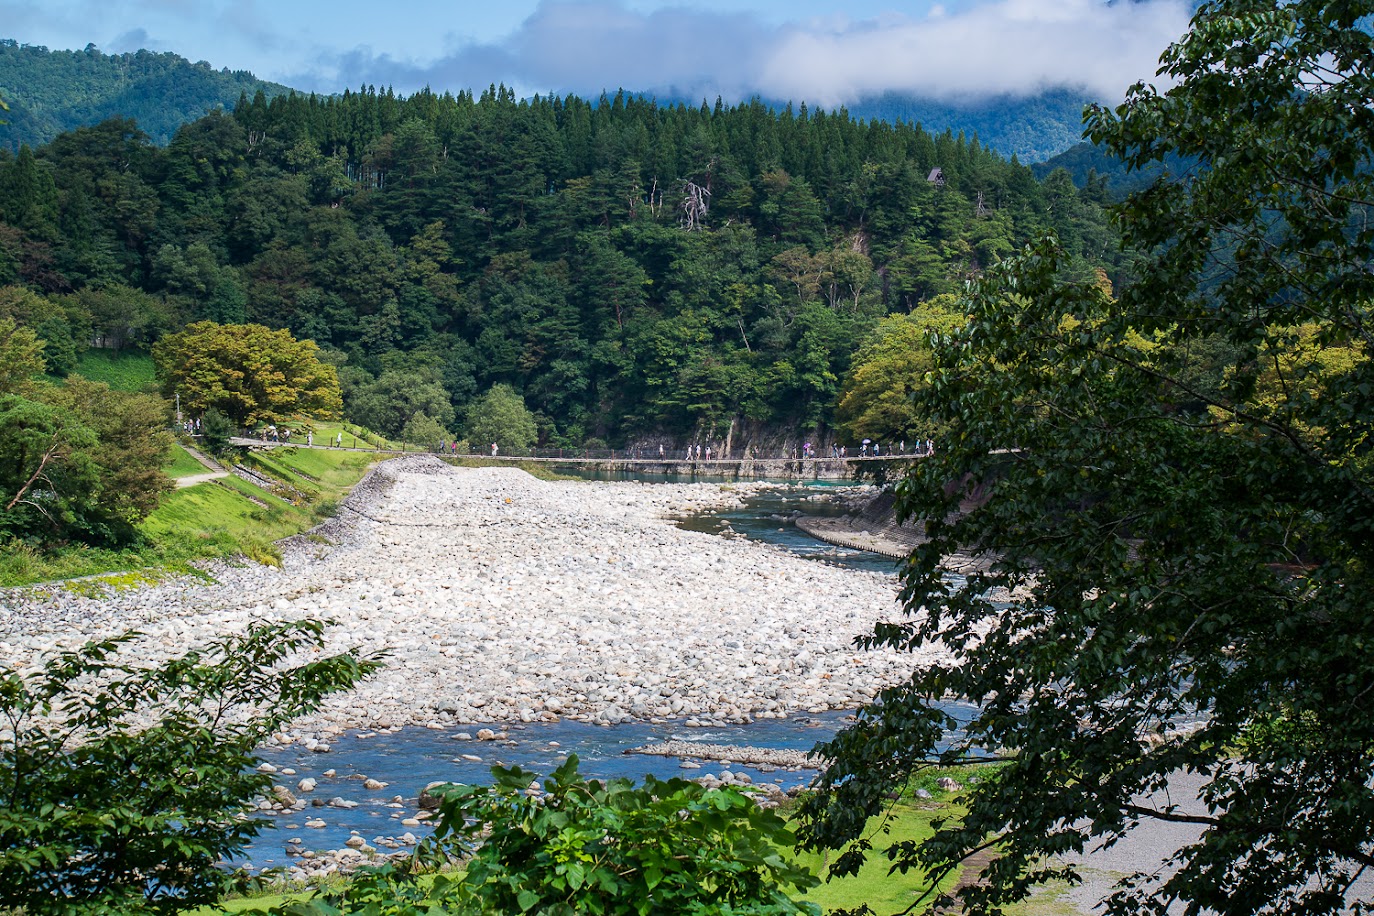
column 411, row 758
column 766, row 516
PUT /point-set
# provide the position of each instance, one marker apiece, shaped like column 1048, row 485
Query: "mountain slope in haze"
column 50, row 92
column 1033, row 127
column 1086, row 162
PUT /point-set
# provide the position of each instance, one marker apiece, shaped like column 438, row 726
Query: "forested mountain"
column 1092, row 166
column 629, row 269
column 53, row 91
column 1032, row 128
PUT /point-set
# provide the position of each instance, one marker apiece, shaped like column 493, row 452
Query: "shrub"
column 583, row 846
column 123, row 786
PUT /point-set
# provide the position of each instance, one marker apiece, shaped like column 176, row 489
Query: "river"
column 410, row 758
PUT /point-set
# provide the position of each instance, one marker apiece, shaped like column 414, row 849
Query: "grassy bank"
column 219, row 518
column 182, row 464
column 128, row 370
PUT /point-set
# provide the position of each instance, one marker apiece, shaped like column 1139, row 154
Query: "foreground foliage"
column 1190, row 540
column 122, row 786
column 585, row 846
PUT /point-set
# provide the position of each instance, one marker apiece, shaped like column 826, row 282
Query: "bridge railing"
column 642, row 453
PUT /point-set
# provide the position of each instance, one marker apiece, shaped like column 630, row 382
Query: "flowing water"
column 409, row 759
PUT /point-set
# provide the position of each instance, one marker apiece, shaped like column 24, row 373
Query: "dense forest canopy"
column 629, row 269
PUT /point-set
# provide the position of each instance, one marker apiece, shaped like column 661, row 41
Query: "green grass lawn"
column 182, row 464
column 219, row 518
column 331, row 473
column 125, row 371
column 354, row 436
column 230, row 515
column 883, row 893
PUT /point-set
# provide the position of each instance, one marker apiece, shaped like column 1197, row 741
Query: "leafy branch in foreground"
column 1190, row 547
column 583, row 846
column 124, row 786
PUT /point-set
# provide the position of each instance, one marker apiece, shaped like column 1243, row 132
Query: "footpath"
column 213, row 469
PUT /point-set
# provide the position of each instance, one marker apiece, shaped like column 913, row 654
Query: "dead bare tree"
column 694, row 206
column 54, row 450
column 655, row 199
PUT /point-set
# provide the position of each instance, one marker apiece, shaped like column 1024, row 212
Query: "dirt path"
column 194, row 479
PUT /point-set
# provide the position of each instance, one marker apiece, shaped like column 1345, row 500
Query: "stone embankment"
column 499, row 597
column 872, row 525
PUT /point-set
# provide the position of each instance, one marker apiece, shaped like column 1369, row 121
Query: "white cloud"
column 952, row 49
column 1006, row 46
column 990, row 48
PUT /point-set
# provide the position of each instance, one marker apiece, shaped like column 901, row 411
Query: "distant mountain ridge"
column 1032, row 127
column 49, row 92
column 1086, row 162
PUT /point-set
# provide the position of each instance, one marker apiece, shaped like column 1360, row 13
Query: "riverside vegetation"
column 216, row 519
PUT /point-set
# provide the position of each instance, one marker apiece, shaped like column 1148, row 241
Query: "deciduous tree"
column 398, row 397
column 21, row 356
column 501, row 416
column 249, row 373
column 878, row 400
column 132, row 447
column 123, row 785
column 1190, row 570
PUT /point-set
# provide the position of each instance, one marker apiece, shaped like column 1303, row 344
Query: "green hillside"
column 1031, row 127
column 54, row 91
column 1089, row 165
column 628, row 269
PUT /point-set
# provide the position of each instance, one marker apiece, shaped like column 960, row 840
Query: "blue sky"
column 825, row 52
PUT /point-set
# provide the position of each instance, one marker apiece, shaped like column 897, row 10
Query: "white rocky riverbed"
column 500, row 597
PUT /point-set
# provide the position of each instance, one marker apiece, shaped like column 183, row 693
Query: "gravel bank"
column 501, row 597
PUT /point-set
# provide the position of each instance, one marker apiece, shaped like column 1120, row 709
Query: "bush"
column 216, row 430
column 122, row 786
column 583, row 846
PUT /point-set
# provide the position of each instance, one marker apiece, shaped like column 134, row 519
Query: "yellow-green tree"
column 889, row 368
column 250, row 373
column 21, row 356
